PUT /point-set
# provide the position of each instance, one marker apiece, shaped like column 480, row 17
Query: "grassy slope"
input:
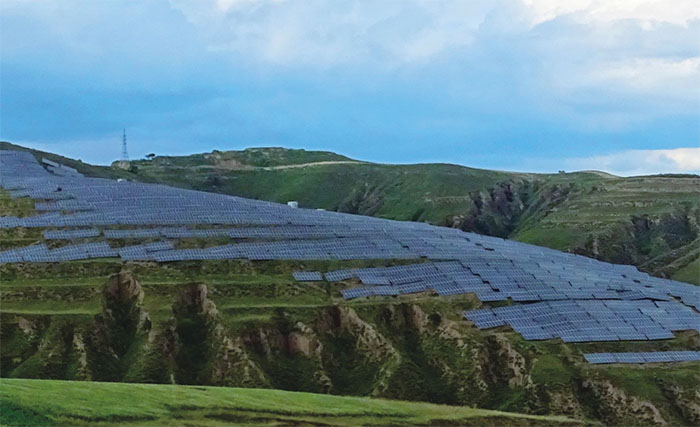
column 596, row 205
column 690, row 273
column 249, row 297
column 426, row 192
column 41, row 401
column 251, row 157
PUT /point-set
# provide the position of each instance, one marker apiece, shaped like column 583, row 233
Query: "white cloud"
column 641, row 162
column 321, row 31
column 647, row 73
column 678, row 12
column 640, row 47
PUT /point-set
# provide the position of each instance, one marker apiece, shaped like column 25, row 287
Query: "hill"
column 649, row 221
column 250, row 324
column 80, row 403
column 139, row 283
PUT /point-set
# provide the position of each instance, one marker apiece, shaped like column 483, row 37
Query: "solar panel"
column 612, row 302
column 643, row 357
column 308, row 276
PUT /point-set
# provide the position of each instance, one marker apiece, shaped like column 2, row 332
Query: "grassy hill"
column 252, row 325
column 648, row 221
column 42, row 402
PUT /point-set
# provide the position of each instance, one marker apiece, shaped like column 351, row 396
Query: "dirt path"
column 303, row 165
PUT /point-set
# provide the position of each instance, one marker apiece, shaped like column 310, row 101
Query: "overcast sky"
column 531, row 85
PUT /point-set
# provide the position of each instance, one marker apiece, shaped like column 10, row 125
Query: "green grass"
column 593, row 204
column 646, row 381
column 27, row 402
column 20, row 207
column 690, row 273
column 550, row 370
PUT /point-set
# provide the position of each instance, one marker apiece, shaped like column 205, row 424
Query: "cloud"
column 320, row 32
column 641, row 162
column 484, row 82
column 643, row 49
column 647, row 11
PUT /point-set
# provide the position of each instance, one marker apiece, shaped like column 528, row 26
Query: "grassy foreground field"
column 42, row 402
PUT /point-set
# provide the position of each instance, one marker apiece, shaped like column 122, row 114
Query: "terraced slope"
column 245, row 324
column 243, row 321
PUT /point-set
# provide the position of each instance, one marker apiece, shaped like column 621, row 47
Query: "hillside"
column 245, row 324
column 74, row 403
column 128, row 282
column 651, row 222
column 82, row 167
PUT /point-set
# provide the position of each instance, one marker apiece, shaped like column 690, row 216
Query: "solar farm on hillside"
column 548, row 294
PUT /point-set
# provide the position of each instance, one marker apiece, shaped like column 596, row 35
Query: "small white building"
column 293, row 204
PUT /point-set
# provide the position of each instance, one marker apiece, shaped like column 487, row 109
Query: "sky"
column 526, row 85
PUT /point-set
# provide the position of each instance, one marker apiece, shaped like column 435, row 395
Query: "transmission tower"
column 124, row 162
column 125, row 153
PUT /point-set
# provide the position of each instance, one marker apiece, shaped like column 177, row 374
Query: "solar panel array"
column 308, row 276
column 41, row 253
column 80, row 233
column 644, row 357
column 522, row 277
column 572, row 299
column 557, row 295
column 258, row 230
column 591, row 320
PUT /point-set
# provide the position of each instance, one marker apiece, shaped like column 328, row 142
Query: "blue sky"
column 532, row 85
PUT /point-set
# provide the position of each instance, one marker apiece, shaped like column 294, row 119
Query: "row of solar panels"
column 133, row 203
column 41, row 253
column 275, row 232
column 590, row 320
column 494, row 269
column 492, row 279
column 644, row 357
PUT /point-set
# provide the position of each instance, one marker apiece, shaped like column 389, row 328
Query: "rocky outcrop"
column 615, row 407
column 79, row 349
column 361, row 346
column 687, row 402
column 120, row 325
column 505, row 364
column 233, row 367
column 289, row 350
column 368, row 340
column 201, row 350
column 499, row 210
column 564, row 402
